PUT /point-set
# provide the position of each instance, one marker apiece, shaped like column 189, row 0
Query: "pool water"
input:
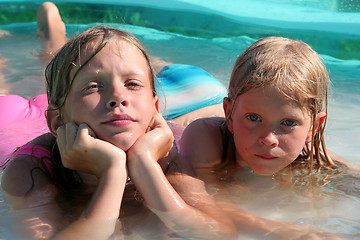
column 211, row 36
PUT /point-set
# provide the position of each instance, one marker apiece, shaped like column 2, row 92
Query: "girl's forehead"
column 117, row 46
column 269, row 98
column 264, row 92
column 265, row 96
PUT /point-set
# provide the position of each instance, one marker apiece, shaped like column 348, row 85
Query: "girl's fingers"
column 157, row 122
column 82, row 133
column 151, row 125
column 66, row 135
column 71, row 130
column 61, row 138
column 85, row 130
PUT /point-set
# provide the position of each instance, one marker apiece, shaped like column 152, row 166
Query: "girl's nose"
column 269, row 139
column 116, row 102
column 117, row 98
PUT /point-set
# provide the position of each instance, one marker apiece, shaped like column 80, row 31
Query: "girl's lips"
column 265, row 156
column 119, row 121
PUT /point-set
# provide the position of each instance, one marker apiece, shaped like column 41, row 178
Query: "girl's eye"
column 92, row 87
column 254, row 118
column 133, row 85
column 289, row 123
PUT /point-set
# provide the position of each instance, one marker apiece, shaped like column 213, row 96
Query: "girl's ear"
column 319, row 120
column 156, row 104
column 227, row 106
column 53, row 118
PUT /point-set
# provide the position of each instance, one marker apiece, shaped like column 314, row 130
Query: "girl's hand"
column 80, row 150
column 156, row 142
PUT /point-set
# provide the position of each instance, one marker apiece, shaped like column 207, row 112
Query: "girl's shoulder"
column 211, row 125
column 202, row 142
column 46, row 140
column 26, row 170
column 207, row 129
column 353, row 167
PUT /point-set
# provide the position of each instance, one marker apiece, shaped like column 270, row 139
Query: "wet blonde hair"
column 295, row 70
column 58, row 72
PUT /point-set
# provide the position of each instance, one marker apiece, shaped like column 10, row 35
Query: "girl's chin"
column 123, row 145
column 123, row 140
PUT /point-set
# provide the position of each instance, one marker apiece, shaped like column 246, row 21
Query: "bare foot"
column 4, row 33
column 158, row 63
column 51, row 28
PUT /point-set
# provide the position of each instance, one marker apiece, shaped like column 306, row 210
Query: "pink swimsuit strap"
column 35, row 151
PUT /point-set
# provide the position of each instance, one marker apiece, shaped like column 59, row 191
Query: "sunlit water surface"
column 215, row 49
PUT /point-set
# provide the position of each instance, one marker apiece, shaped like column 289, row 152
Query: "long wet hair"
column 59, row 81
column 296, row 71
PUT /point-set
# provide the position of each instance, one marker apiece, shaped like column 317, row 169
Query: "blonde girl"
column 275, row 112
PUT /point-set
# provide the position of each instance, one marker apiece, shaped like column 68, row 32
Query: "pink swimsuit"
column 35, row 151
column 21, row 120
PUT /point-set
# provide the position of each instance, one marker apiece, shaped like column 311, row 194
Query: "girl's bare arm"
column 206, row 222
column 25, row 188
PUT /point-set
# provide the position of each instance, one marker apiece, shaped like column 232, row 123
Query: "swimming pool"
column 211, row 36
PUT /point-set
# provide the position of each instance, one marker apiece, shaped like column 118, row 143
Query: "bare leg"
column 53, row 31
column 4, row 89
column 51, row 28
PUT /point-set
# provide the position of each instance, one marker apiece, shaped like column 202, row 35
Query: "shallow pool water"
column 211, row 36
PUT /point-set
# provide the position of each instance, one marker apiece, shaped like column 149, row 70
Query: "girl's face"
column 113, row 95
column 270, row 130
